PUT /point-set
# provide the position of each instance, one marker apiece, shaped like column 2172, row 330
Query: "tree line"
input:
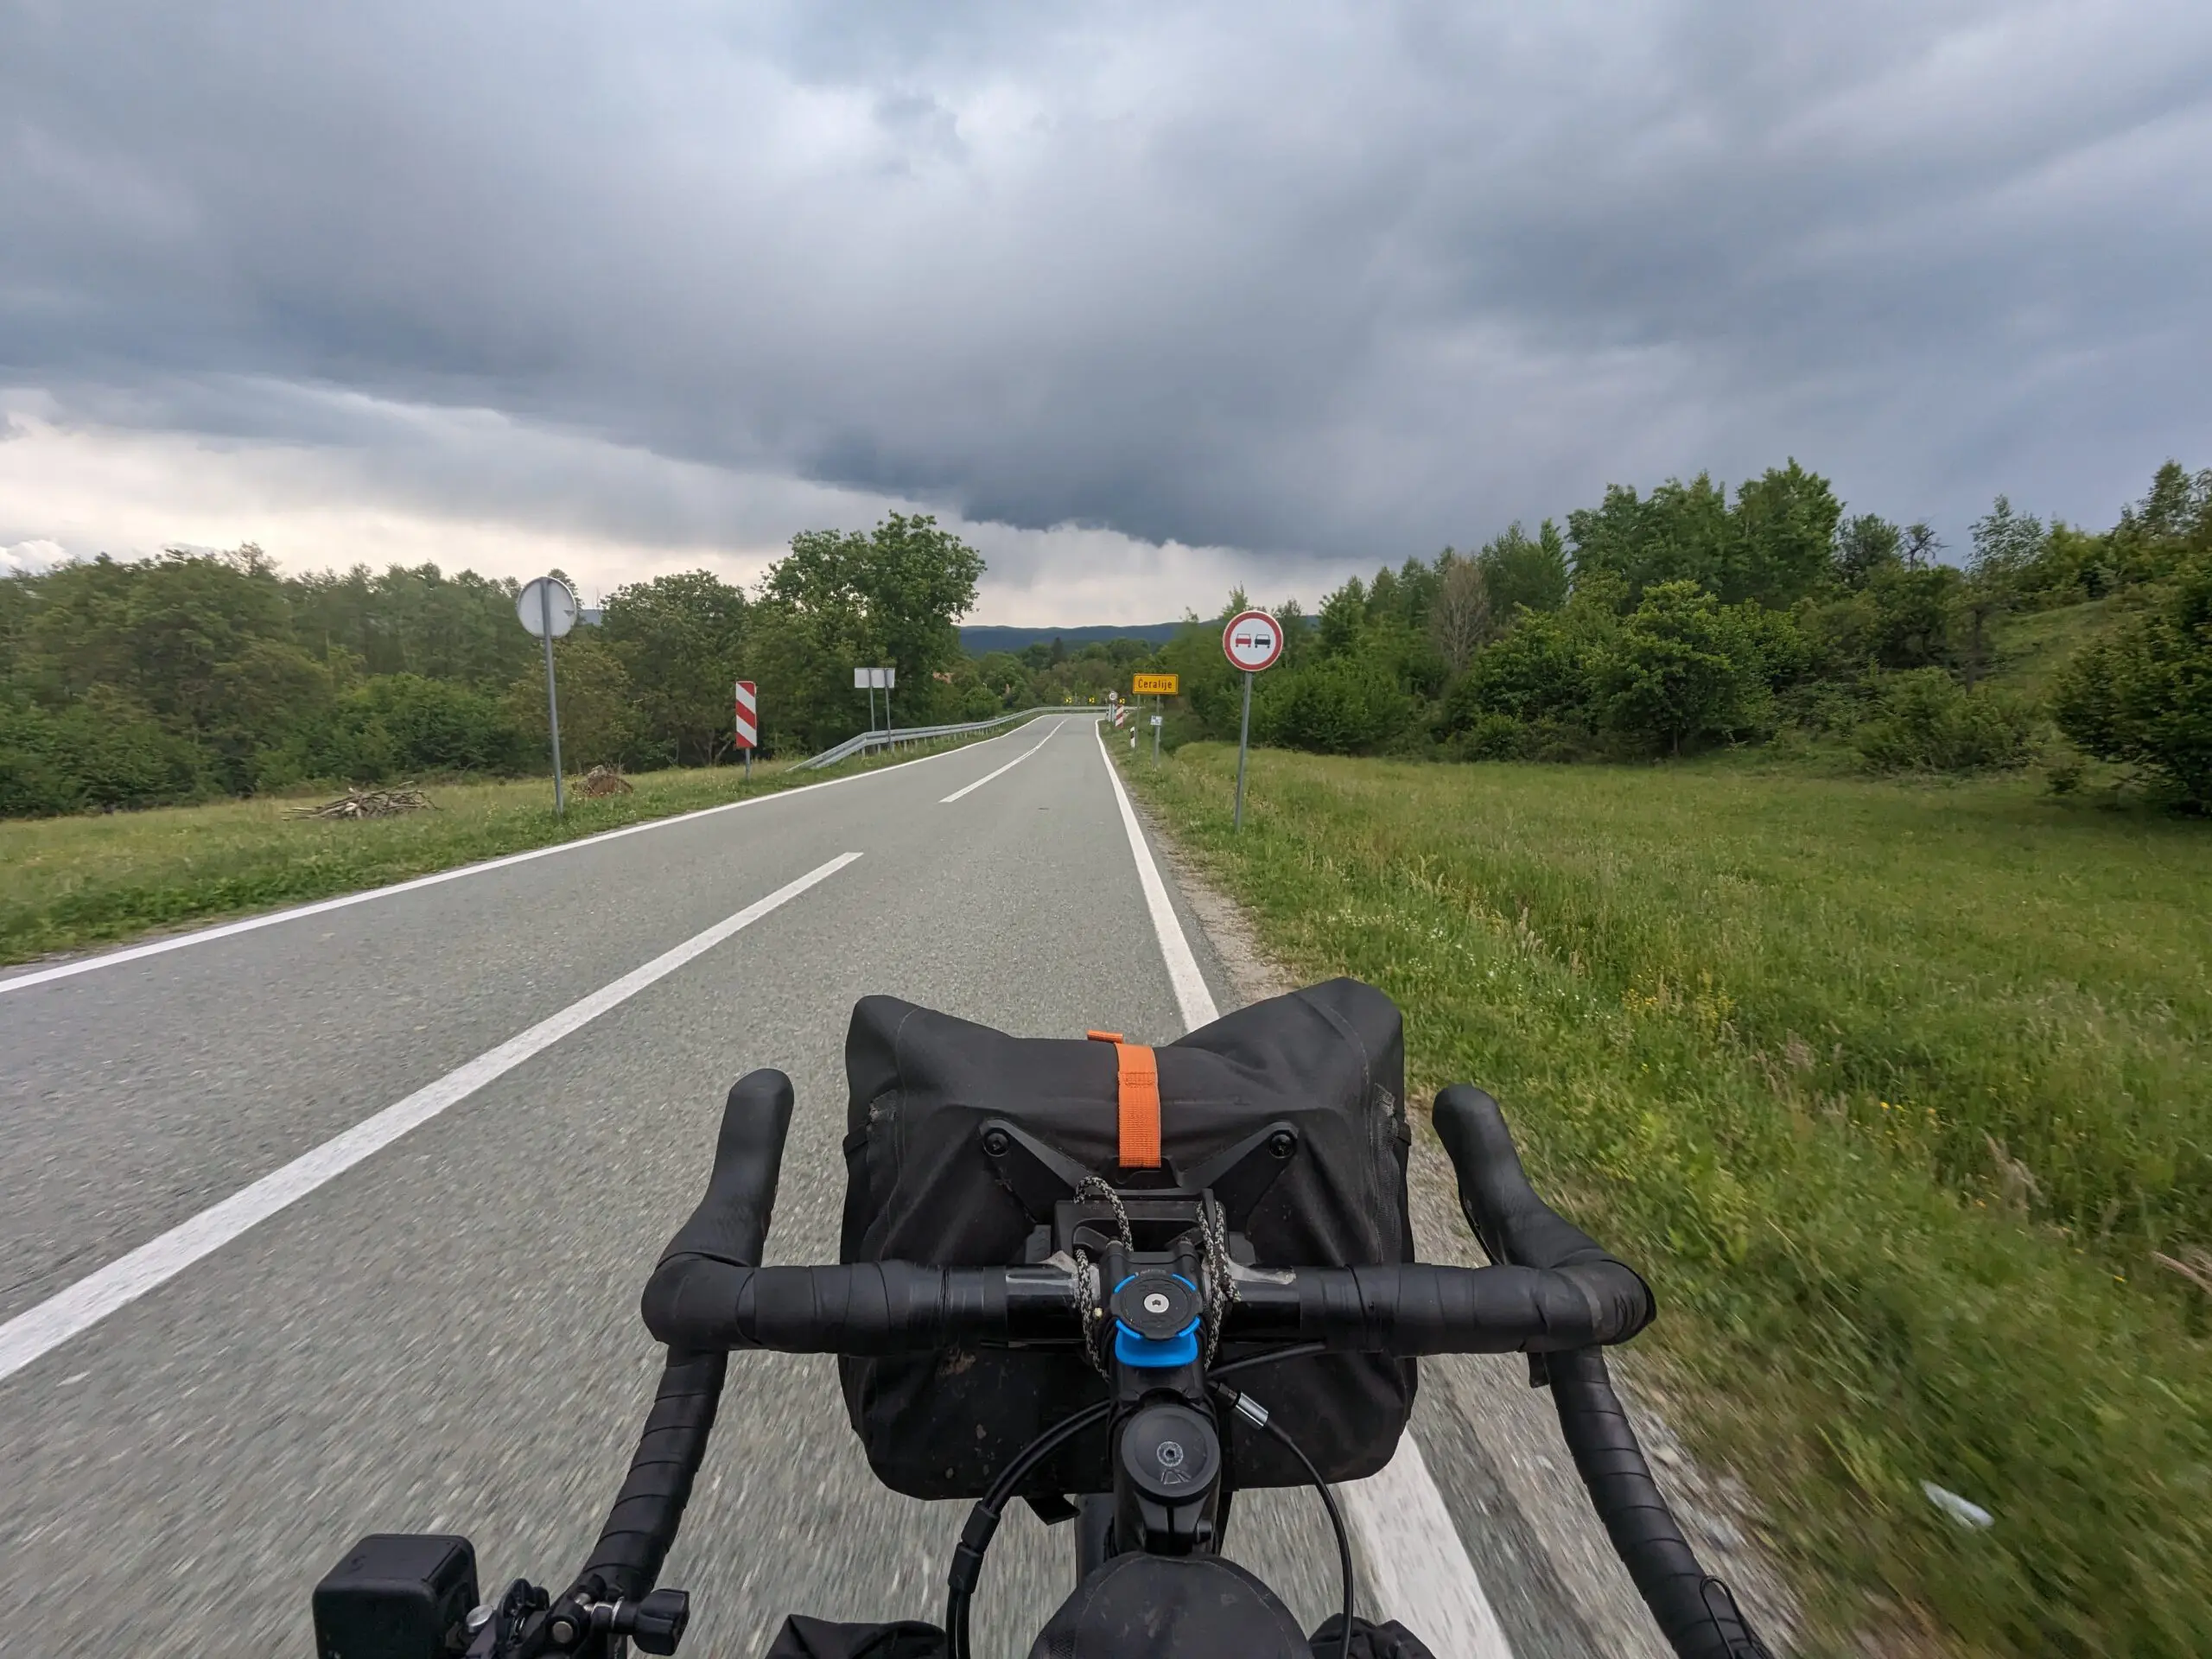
column 192, row 675
column 1693, row 617
column 1656, row 624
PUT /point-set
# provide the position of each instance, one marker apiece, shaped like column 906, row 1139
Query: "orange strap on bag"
column 1139, row 1092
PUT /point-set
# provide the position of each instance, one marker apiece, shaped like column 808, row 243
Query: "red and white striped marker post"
column 748, row 723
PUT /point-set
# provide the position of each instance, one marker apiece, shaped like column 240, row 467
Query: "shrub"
column 1344, row 705
column 2143, row 694
column 104, row 750
column 1489, row 737
column 397, row 725
column 1540, row 668
column 1684, row 667
column 1923, row 721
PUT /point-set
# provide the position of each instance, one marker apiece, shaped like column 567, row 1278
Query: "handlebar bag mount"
column 1330, row 1059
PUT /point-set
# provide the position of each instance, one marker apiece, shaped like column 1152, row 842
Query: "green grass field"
column 66, row 883
column 1892, row 1089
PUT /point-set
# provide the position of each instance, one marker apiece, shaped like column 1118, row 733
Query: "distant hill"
column 980, row 641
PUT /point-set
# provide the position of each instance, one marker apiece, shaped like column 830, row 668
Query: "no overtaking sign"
column 1252, row 640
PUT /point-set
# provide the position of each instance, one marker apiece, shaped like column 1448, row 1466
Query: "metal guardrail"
column 866, row 742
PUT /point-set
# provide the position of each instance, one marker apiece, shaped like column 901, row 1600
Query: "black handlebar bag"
column 1330, row 1059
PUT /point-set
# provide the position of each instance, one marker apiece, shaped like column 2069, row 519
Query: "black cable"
column 1335, row 1525
column 1302, row 1351
column 1313, row 1474
column 976, row 1540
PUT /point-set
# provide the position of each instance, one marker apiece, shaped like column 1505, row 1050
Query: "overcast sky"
column 1150, row 298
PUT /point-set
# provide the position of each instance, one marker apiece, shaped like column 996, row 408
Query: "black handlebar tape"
column 1694, row 1610
column 642, row 1525
column 1413, row 1308
column 862, row 1308
column 1514, row 1224
column 731, row 1224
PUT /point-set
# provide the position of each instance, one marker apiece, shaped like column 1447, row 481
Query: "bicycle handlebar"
column 730, row 1224
column 893, row 1308
column 1693, row 1609
column 1551, row 1291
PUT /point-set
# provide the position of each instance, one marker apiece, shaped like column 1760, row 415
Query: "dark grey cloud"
column 1319, row 281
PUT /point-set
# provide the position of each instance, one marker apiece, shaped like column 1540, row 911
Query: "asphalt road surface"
column 338, row 1225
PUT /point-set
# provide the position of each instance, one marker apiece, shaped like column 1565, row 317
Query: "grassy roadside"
column 1891, row 1089
column 67, row 883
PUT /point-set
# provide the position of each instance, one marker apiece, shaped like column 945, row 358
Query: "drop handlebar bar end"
column 1514, row 1224
column 729, row 1226
column 1694, row 1609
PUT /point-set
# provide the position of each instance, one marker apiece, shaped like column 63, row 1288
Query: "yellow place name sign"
column 1153, row 685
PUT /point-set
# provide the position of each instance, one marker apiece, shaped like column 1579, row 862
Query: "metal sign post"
column 873, row 680
column 1252, row 642
column 547, row 607
column 1159, row 687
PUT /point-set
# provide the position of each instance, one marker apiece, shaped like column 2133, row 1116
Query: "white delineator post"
column 748, row 723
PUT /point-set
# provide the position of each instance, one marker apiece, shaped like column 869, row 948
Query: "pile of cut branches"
column 604, row 780
column 369, row 803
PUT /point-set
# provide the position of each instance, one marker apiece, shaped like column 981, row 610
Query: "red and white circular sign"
column 1252, row 640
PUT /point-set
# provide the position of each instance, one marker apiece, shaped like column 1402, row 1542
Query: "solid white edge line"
column 1415, row 1557
column 971, row 788
column 91, row 1299
column 1192, row 999
column 225, row 930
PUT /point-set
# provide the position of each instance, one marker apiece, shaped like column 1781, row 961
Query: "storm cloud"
column 1305, row 285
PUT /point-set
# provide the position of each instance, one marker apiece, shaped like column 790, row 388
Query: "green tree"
column 1342, row 619
column 840, row 600
column 1680, row 533
column 2142, row 695
column 1540, row 673
column 414, row 620
column 682, row 641
column 1297, row 634
column 1683, row 667
column 1462, row 618
column 1783, row 531
column 599, row 722
column 1340, row 705
column 1519, row 570
column 2170, row 525
column 402, row 726
column 102, row 749
column 1865, row 545
column 1010, row 678
column 204, row 643
column 1773, row 545
column 2006, row 546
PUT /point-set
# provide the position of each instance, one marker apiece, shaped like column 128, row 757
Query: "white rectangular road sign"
column 748, row 716
column 875, row 679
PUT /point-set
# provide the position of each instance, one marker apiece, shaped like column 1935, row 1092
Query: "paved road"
column 443, row 1334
